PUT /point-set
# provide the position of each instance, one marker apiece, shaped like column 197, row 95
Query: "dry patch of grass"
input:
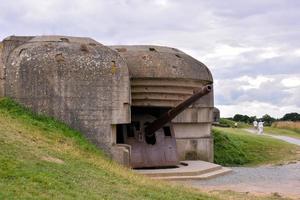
column 287, row 124
column 52, row 159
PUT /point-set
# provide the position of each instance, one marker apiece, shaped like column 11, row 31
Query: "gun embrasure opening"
column 208, row 87
column 171, row 114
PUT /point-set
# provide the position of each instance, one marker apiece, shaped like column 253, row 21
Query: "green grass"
column 283, row 131
column 230, row 123
column 41, row 158
column 236, row 147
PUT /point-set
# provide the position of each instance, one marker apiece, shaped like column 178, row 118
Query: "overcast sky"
column 251, row 47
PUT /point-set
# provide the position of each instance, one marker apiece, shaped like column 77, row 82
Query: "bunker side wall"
column 86, row 86
column 6, row 47
column 193, row 131
column 2, row 78
column 194, row 141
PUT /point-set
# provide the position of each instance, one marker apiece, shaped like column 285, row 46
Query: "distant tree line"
column 266, row 118
column 291, row 117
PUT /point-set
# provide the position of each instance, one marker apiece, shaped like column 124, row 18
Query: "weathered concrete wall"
column 216, row 115
column 146, row 61
column 164, row 76
column 195, row 149
column 195, row 115
column 2, row 78
column 76, row 80
column 192, row 130
column 6, row 47
column 12, row 42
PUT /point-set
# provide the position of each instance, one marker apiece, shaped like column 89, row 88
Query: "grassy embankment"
column 41, row 158
column 295, row 133
column 230, row 123
column 234, row 147
column 287, row 128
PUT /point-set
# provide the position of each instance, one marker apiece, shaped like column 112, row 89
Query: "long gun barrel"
column 171, row 114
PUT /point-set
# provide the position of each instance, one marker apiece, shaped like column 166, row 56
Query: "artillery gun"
column 152, row 139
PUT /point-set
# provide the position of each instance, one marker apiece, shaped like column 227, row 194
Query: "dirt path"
column 283, row 180
column 280, row 137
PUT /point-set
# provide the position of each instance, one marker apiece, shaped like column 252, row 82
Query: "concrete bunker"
column 77, row 80
column 216, row 115
column 161, row 78
column 113, row 94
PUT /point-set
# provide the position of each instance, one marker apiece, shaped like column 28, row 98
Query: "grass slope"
column 41, row 158
column 234, row 147
column 283, row 131
column 230, row 123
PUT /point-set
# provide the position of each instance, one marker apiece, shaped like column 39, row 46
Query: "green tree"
column 291, row 117
column 252, row 119
column 238, row 117
column 241, row 118
column 268, row 119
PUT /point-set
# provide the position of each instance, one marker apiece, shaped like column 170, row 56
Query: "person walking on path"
column 235, row 125
column 255, row 124
column 260, row 127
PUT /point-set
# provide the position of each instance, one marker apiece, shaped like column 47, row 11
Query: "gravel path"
column 280, row 137
column 286, row 138
column 284, row 180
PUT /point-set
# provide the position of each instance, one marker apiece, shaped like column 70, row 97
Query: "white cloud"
column 270, row 52
column 297, row 52
column 293, row 97
column 232, row 95
column 227, row 52
column 291, row 82
column 163, row 3
column 256, row 108
column 247, row 82
column 251, row 47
